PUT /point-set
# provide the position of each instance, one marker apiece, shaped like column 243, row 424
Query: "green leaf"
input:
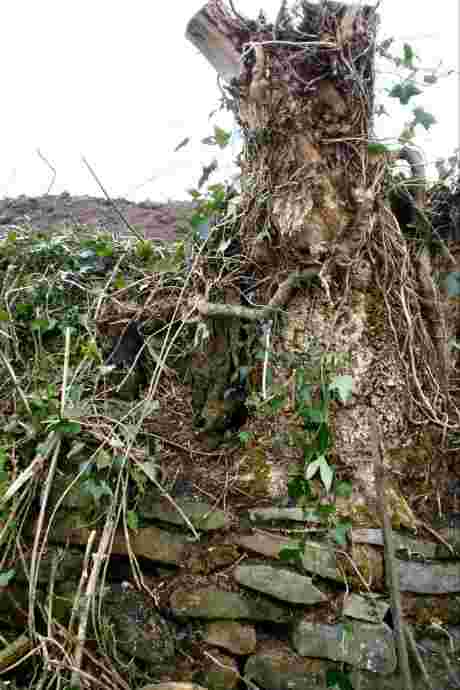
column 324, row 438
column 24, row 311
column 97, row 489
column 299, row 487
column 409, row 55
column 326, row 473
column 343, row 384
column 103, row 459
column 377, row 148
column 338, row 680
column 43, row 325
column 277, row 403
column 119, row 282
column 132, row 518
column 66, row 427
column 290, row 553
column 422, row 117
column 343, row 489
column 245, row 437
column 221, row 136
column 312, row 416
column 6, row 577
column 4, row 316
column 304, row 393
column 198, row 219
column 339, row 533
column 404, row 91
column 150, row 468
column 326, row 510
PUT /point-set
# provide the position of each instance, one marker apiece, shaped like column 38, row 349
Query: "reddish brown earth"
column 155, row 220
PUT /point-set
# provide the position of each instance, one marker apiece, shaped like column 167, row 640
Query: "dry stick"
column 279, row 299
column 417, row 655
column 53, row 444
column 245, row 680
column 239, row 16
column 82, row 582
column 51, row 167
column 146, row 469
column 391, row 566
column 86, row 605
column 54, row 569
column 112, row 203
column 11, row 372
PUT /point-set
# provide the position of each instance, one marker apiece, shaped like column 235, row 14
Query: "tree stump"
column 313, row 198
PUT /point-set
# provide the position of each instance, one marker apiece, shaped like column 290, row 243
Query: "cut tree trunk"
column 313, row 199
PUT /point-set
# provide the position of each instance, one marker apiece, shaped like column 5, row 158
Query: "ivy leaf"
column 339, row 533
column 103, row 459
column 245, row 437
column 404, row 91
column 304, row 393
column 97, row 489
column 377, row 148
column 6, row 577
column 422, row 117
column 65, row 427
column 277, row 403
column 409, row 55
column 132, row 518
column 207, row 171
column 343, row 489
column 343, row 385
column 288, row 553
column 119, row 282
column 298, row 487
column 312, row 415
column 430, row 79
column 183, row 143
column 43, row 325
column 208, row 141
column 221, row 136
column 338, row 680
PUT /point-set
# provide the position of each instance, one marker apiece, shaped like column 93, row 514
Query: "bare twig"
column 51, row 167
column 237, row 14
column 86, row 603
column 279, row 299
column 417, row 656
column 112, row 203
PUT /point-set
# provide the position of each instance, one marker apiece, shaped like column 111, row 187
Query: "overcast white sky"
column 117, row 82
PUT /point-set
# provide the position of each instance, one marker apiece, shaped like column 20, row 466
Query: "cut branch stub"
column 211, row 39
column 305, row 109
